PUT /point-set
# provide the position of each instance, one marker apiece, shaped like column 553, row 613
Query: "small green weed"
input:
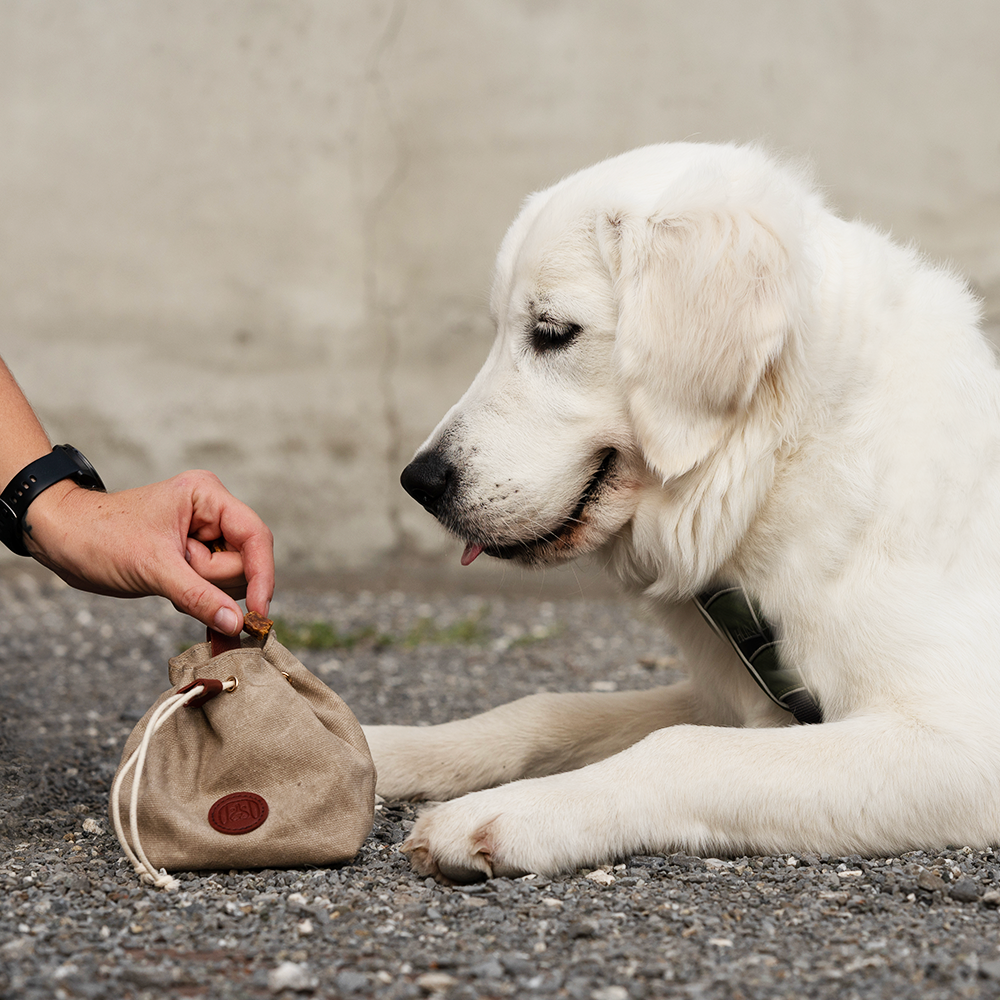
column 470, row 631
column 323, row 635
column 538, row 634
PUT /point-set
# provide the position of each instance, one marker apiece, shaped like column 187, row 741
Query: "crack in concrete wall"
column 376, row 112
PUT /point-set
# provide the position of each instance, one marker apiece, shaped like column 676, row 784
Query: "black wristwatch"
column 63, row 462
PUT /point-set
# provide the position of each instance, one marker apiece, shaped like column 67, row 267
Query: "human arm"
column 149, row 540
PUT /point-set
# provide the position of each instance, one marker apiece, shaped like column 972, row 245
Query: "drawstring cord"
column 192, row 695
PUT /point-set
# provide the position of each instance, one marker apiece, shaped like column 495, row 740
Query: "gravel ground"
column 78, row 671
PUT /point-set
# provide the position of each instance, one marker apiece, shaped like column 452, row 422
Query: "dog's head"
column 642, row 307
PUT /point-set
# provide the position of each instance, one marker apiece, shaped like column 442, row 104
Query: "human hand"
column 153, row 540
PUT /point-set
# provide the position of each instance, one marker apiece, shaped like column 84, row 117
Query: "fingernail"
column 226, row 621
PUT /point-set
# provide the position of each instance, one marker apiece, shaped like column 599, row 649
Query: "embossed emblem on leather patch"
column 237, row 813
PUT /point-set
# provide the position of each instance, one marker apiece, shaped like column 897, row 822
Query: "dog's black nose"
column 427, row 479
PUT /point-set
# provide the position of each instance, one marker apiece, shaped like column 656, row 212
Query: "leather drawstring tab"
column 222, row 643
column 211, row 687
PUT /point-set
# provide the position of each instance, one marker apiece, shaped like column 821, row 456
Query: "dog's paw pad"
column 449, row 873
column 470, row 862
column 420, row 857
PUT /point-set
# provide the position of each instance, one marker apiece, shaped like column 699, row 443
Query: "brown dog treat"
column 256, row 625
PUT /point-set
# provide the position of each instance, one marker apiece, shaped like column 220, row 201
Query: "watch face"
column 7, row 515
column 80, row 460
column 10, row 529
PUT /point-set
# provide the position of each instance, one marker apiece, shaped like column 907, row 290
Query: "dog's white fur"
column 798, row 406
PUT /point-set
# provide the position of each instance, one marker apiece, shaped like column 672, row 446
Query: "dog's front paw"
column 454, row 858
column 480, row 836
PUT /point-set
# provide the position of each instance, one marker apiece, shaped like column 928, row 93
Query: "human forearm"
column 24, row 438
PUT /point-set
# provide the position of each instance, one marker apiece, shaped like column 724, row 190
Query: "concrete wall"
column 257, row 236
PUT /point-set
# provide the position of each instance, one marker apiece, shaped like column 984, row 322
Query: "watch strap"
column 63, row 462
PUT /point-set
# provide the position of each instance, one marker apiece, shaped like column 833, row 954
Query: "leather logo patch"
column 237, row 813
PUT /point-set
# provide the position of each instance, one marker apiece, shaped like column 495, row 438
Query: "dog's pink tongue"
column 471, row 551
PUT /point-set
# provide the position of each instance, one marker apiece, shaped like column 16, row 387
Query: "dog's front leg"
column 537, row 735
column 873, row 785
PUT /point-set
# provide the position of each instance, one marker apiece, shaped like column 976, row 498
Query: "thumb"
column 195, row 596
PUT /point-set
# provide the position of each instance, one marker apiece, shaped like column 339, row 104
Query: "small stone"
column 545, row 982
column 929, row 881
column 515, row 965
column 991, row 898
column 490, row 969
column 990, row 969
column 686, row 861
column 17, row 948
column 658, row 662
column 90, row 825
column 291, row 976
column 965, row 890
column 610, row 993
column 435, row 982
column 147, row 977
column 600, row 876
column 349, row 981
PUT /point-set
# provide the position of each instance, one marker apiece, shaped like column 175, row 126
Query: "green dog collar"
column 737, row 619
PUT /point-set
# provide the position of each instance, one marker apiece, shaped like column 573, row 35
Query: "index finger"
column 248, row 534
column 258, row 568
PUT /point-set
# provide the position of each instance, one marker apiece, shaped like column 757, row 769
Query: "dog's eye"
column 547, row 335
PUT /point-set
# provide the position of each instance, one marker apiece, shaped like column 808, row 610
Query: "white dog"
column 709, row 378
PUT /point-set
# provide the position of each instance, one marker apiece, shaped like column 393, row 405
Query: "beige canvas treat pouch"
column 249, row 761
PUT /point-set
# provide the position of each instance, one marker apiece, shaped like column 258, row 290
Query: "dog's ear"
column 702, row 312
